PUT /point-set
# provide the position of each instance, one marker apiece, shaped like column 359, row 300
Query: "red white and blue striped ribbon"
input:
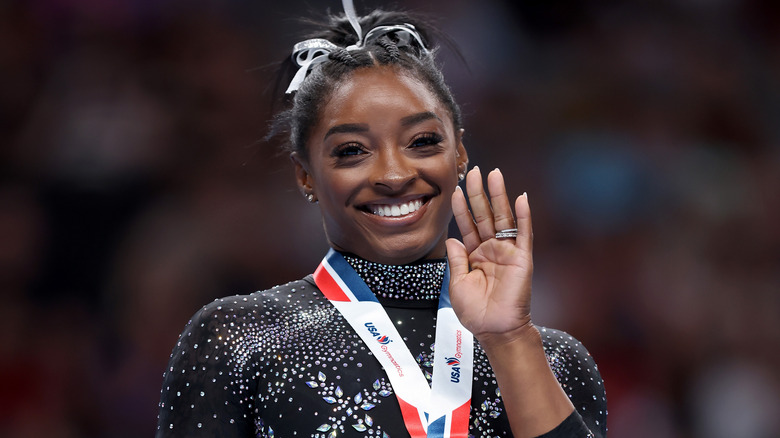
column 441, row 410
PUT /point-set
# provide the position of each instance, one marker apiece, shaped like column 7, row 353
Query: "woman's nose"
column 393, row 171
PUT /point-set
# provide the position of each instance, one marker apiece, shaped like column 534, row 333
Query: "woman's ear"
column 303, row 177
column 461, row 156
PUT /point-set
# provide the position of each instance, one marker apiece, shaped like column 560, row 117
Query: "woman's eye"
column 348, row 150
column 426, row 140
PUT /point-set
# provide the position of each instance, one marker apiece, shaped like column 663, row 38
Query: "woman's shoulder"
column 560, row 343
column 233, row 321
column 570, row 361
column 238, row 313
column 579, row 376
column 290, row 294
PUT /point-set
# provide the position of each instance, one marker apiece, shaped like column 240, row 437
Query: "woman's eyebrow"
column 362, row 127
column 346, row 128
column 418, row 118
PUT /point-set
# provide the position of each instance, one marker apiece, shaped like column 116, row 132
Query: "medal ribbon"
column 439, row 410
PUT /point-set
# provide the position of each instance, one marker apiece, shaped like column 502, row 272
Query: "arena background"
column 134, row 188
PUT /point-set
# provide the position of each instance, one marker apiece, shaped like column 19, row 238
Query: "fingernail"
column 458, row 189
column 526, row 195
column 475, row 168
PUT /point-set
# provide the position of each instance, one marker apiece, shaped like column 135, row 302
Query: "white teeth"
column 398, row 209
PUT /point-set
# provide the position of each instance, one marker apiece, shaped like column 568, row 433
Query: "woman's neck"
column 421, row 280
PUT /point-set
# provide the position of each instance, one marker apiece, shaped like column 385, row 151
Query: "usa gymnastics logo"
column 454, row 362
column 382, row 339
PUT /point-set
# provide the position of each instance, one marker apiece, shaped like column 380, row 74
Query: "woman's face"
column 383, row 161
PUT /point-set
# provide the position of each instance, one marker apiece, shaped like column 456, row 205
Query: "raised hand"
column 490, row 291
column 490, row 278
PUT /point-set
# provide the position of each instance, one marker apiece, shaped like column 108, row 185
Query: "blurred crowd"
column 135, row 187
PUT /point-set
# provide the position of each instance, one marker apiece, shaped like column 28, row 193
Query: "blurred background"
column 135, row 187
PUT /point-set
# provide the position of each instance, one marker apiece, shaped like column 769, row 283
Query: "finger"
column 502, row 211
column 480, row 205
column 458, row 258
column 525, row 232
column 466, row 225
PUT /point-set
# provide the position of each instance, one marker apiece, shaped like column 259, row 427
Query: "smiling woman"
column 376, row 141
column 383, row 161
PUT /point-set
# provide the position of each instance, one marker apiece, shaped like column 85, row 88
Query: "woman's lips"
column 397, row 209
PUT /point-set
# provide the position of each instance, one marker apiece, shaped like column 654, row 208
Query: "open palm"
column 490, row 282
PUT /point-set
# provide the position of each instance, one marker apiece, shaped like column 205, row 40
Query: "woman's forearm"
column 534, row 400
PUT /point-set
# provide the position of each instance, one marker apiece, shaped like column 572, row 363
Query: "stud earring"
column 309, row 197
column 461, row 176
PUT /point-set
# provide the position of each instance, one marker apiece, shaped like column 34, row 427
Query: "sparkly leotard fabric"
column 284, row 363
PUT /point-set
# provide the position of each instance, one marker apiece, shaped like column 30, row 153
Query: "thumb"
column 458, row 258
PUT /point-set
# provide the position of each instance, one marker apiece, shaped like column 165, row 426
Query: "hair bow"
column 309, row 53
column 306, row 55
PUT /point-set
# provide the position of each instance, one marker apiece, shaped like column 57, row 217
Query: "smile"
column 397, row 210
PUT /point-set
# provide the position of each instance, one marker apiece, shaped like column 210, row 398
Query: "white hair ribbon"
column 349, row 9
column 309, row 53
column 306, row 55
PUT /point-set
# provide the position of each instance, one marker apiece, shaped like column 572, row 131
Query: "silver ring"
column 509, row 233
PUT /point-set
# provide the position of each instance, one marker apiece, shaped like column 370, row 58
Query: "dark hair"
column 306, row 103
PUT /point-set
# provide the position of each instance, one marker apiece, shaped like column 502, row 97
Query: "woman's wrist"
column 524, row 336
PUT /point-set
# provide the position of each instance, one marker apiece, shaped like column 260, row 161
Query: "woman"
column 376, row 141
